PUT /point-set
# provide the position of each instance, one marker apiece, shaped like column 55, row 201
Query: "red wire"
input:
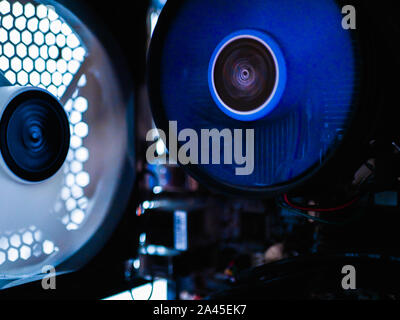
column 344, row 206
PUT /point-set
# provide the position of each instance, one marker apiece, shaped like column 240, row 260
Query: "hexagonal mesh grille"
column 38, row 48
column 24, row 244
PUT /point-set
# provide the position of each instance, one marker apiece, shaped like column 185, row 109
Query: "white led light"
column 16, row 64
column 70, row 204
column 20, row 23
column 54, row 52
column 33, row 24
column 17, row 9
column 65, row 193
column 41, row 11
column 2, row 257
column 44, row 52
column 83, row 203
column 81, row 130
column 38, row 38
column 11, row 76
column 72, row 41
column 38, row 236
column 82, row 154
column 4, row 63
column 15, row 240
column 79, row 54
column 50, row 39
column 55, row 27
column 48, row 247
column 33, row 51
column 22, row 50
column 81, row 104
column 61, row 40
column 70, row 180
column 76, row 167
column 34, row 78
column 22, row 78
column 77, row 216
column 8, row 22
column 56, row 77
column 161, row 250
column 3, row 35
column 65, row 29
column 4, row 243
column 25, row 252
column 52, row 89
column 67, row 54
column 46, row 78
column 75, row 117
column 52, row 15
column 77, row 192
column 44, row 25
column 61, row 90
column 73, row 66
column 83, row 179
column 160, row 147
column 72, row 227
column 146, row 205
column 9, row 50
column 13, row 254
column 157, row 189
column 68, row 105
column 29, row 10
column 27, row 238
column 82, row 81
column 51, row 66
column 15, row 36
column 4, row 7
column 76, row 142
column 67, row 78
column 40, row 65
column 151, row 249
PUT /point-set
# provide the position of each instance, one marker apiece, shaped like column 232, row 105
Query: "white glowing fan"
column 42, row 44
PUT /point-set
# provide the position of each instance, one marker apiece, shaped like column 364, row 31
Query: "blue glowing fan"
column 301, row 110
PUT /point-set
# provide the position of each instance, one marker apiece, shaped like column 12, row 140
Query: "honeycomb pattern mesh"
column 24, row 244
column 38, row 48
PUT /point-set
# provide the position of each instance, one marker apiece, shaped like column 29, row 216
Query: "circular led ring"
column 281, row 75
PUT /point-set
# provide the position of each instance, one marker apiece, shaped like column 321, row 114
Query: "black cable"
column 133, row 298
column 152, row 289
column 151, row 292
column 283, row 205
column 318, row 209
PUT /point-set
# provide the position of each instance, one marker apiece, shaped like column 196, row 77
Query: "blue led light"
column 309, row 114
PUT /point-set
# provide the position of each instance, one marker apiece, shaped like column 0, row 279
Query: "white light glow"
column 160, row 292
column 48, row 247
column 81, row 104
column 13, row 255
column 2, row 258
column 25, row 252
column 38, row 48
column 82, row 154
column 15, row 36
column 4, row 7
column 81, row 129
column 77, row 216
column 29, row 10
column 17, row 9
column 83, row 179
